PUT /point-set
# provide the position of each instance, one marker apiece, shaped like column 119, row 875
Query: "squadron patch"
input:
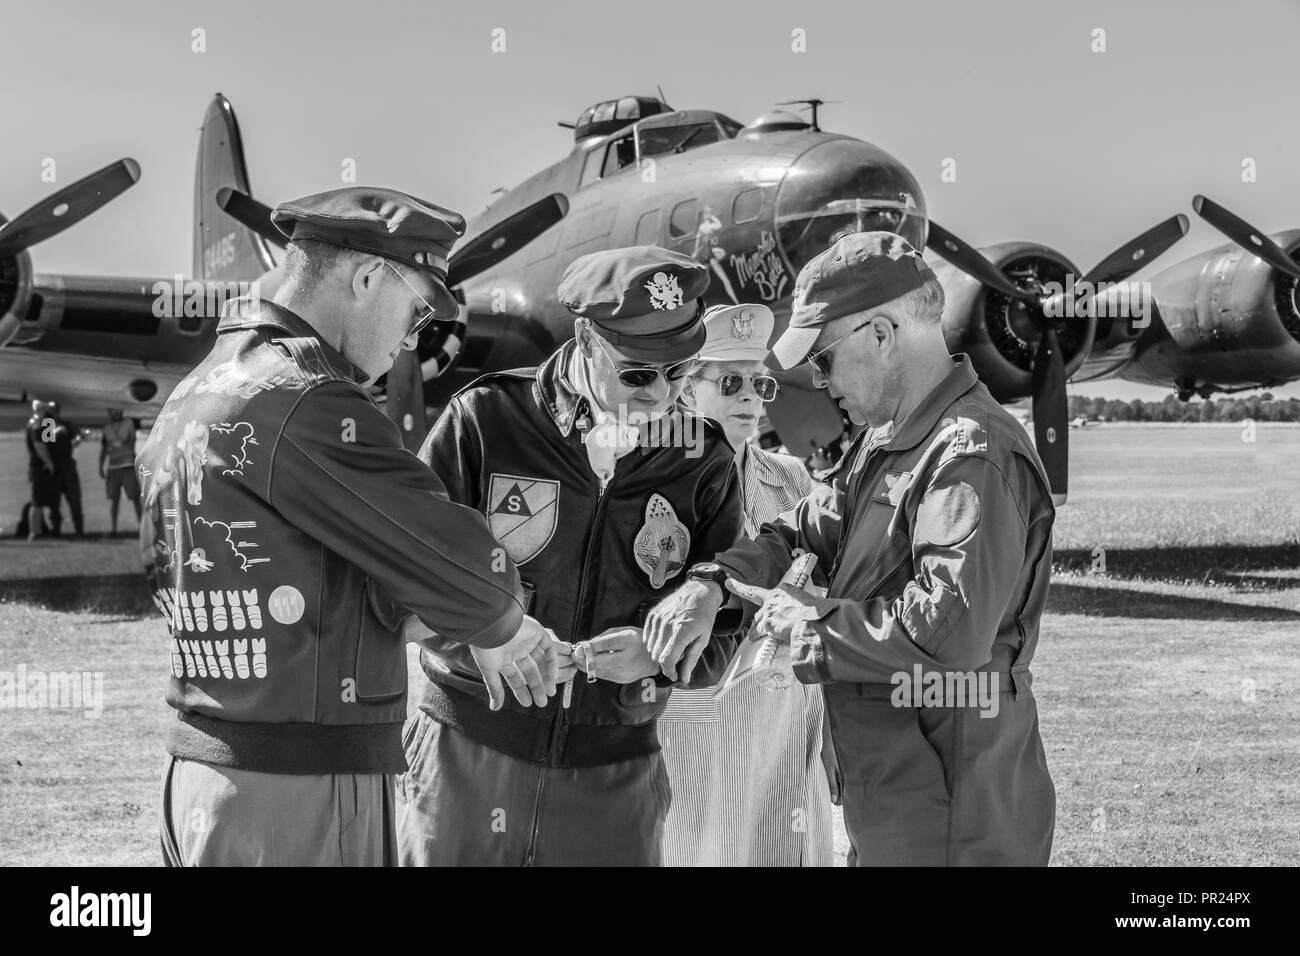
column 522, row 514
column 662, row 544
column 895, row 484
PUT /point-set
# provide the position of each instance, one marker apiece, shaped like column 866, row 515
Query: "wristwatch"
column 708, row 571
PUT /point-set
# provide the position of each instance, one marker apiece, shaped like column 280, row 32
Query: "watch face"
column 706, row 570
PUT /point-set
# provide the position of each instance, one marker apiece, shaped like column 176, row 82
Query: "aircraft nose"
column 842, row 186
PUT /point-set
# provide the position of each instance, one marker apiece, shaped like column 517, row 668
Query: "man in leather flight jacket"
column 602, row 519
column 283, row 519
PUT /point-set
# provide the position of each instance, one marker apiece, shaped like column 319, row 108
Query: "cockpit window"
column 820, row 204
column 658, row 140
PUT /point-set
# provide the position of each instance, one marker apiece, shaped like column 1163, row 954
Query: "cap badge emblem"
column 742, row 325
column 664, row 291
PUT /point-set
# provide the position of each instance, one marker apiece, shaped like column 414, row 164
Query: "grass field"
column 1167, row 686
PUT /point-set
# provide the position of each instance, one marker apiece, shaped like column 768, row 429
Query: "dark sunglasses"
column 642, row 375
column 765, row 386
column 823, row 365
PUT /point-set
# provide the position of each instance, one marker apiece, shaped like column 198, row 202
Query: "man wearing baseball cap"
column 605, row 496
column 287, row 531
column 935, row 533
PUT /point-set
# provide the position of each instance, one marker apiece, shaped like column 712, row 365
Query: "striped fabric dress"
column 749, row 787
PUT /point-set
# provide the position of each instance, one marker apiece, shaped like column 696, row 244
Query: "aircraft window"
column 658, row 140
column 683, row 220
column 647, row 229
column 621, row 154
column 628, row 108
column 585, row 118
column 747, row 206
column 604, row 112
column 730, row 128
column 591, row 167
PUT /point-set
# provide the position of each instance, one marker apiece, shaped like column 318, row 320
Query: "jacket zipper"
column 561, row 714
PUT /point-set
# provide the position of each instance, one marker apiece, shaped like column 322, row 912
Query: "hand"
column 617, row 655
column 103, row 472
column 780, row 609
column 678, row 628
column 566, row 666
column 527, row 662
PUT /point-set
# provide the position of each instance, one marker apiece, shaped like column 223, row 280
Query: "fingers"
column 692, row 657
column 496, row 693
column 748, row 592
column 534, row 683
column 547, row 660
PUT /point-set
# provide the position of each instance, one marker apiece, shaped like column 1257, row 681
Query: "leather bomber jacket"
column 510, row 445
column 286, row 527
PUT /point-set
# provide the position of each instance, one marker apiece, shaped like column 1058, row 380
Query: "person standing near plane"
column 749, row 787
column 935, row 533
column 117, row 464
column 61, row 437
column 605, row 495
column 287, row 531
column 40, row 472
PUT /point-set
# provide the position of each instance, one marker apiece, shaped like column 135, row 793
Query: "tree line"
column 1260, row 408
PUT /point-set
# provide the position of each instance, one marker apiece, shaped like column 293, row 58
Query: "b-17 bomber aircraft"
column 753, row 203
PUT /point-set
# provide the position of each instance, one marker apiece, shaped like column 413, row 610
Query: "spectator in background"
column 44, row 496
column 117, row 463
column 61, row 437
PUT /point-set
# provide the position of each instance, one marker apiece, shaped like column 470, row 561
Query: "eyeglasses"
column 643, row 375
column 423, row 320
column 815, row 358
column 765, row 386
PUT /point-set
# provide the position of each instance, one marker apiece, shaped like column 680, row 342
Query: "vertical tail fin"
column 223, row 249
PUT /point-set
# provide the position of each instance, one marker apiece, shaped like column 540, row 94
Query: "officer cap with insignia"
column 736, row 333
column 857, row 273
column 381, row 222
column 643, row 300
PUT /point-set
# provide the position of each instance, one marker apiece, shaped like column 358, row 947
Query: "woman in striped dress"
column 749, row 787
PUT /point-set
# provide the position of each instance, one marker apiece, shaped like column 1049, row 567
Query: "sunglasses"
column 642, row 375
column 421, row 321
column 765, row 386
column 824, row 366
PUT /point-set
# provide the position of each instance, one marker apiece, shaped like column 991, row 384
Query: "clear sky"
column 1053, row 142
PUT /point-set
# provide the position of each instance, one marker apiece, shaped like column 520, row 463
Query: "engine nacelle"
column 1001, row 334
column 1232, row 321
column 15, row 292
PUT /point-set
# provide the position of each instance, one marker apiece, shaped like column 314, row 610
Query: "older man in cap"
column 935, row 534
column 287, row 534
column 605, row 496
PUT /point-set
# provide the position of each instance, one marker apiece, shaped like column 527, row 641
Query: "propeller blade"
column 247, row 211
column 969, row 261
column 1136, row 253
column 404, row 399
column 68, row 206
column 1245, row 235
column 505, row 238
column 1051, row 431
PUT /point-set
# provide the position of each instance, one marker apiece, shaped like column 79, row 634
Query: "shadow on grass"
column 1066, row 597
column 121, row 594
column 1233, row 565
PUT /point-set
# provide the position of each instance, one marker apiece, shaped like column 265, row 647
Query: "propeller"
column 1050, row 403
column 68, row 206
column 251, row 214
column 481, row 252
column 1245, row 235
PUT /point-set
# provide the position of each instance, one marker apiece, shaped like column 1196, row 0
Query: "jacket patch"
column 948, row 515
column 522, row 514
column 662, row 544
column 893, row 487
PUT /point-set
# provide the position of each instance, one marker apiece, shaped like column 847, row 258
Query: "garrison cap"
column 736, row 333
column 643, row 300
column 382, row 222
column 859, row 272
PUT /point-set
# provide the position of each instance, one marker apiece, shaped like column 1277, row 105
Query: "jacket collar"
column 757, row 461
column 279, row 322
column 555, row 391
column 910, row 432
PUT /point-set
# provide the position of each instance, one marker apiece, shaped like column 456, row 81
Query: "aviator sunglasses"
column 642, row 375
column 422, row 320
column 765, row 386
